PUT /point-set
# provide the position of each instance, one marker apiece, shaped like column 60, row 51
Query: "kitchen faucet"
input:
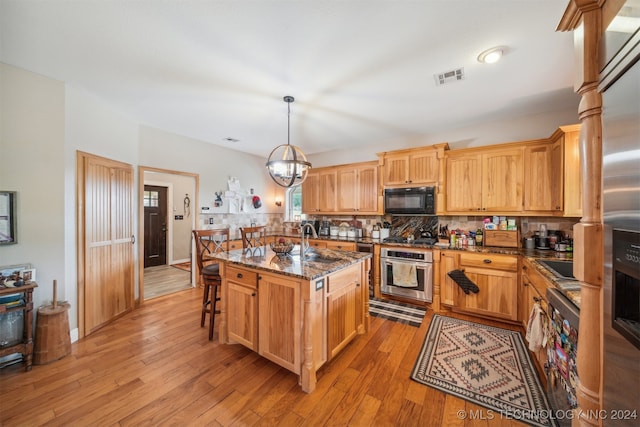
column 304, row 246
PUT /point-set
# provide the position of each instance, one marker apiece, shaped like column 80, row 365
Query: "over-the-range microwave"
column 410, row 201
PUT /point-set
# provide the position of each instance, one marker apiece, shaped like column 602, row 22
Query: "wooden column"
column 584, row 18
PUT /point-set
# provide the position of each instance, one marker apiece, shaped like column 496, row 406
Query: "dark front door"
column 155, row 225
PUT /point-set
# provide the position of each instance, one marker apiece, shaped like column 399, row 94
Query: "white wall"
column 485, row 133
column 94, row 128
column 43, row 123
column 213, row 163
column 32, row 138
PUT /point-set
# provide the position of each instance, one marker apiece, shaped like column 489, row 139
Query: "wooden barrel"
column 52, row 340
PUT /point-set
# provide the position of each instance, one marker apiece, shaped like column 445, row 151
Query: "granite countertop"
column 317, row 263
column 568, row 287
column 292, row 266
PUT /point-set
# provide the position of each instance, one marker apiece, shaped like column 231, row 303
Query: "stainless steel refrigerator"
column 621, row 210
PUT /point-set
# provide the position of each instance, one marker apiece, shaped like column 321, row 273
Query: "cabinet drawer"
column 341, row 246
column 496, row 262
column 535, row 279
column 240, row 275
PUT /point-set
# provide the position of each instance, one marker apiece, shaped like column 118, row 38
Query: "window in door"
column 150, row 199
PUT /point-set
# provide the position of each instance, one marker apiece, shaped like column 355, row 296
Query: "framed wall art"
column 8, row 209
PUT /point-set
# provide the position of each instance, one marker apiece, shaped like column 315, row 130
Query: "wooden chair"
column 253, row 237
column 209, row 242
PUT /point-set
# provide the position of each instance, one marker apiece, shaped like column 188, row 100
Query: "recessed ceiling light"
column 490, row 56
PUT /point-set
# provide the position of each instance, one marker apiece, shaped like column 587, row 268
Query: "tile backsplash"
column 400, row 225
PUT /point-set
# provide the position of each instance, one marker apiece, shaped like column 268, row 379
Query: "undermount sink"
column 317, row 258
column 561, row 269
column 317, row 255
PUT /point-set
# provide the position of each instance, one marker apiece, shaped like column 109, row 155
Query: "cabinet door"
column 311, row 193
column 538, row 178
column 347, row 190
column 502, row 180
column 344, row 309
column 279, row 323
column 464, row 183
column 448, row 262
column 328, row 191
column 423, row 168
column 498, row 295
column 543, row 177
column 368, row 189
column 396, row 169
column 572, row 191
column 242, row 314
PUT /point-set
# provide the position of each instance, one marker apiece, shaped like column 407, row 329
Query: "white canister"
column 384, row 233
column 375, row 234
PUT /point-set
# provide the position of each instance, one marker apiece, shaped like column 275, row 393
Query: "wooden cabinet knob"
column 239, row 275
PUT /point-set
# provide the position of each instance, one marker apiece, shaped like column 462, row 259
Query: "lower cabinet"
column 497, row 278
column 279, row 323
column 344, row 306
column 533, row 289
column 242, row 308
column 448, row 288
column 295, row 322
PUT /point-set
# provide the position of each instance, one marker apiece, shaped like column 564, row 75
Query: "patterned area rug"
column 186, row 266
column 396, row 311
column 485, row 365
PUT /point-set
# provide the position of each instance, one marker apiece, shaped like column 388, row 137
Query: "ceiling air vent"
column 449, row 76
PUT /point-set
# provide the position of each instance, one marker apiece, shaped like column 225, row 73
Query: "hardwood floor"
column 156, row 367
column 164, row 280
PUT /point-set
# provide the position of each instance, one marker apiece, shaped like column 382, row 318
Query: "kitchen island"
column 298, row 313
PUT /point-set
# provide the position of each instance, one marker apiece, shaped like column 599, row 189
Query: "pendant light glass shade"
column 287, row 164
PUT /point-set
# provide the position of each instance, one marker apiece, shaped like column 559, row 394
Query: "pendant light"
column 287, row 164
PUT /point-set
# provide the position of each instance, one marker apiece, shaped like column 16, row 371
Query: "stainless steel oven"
column 407, row 272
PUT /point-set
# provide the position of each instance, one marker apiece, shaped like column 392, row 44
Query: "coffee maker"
column 325, row 225
column 314, row 223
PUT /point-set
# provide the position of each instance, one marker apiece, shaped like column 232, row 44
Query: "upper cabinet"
column 347, row 189
column 536, row 177
column 412, row 167
column 539, row 177
column 569, row 138
column 358, row 188
column 319, row 191
column 552, row 175
column 484, row 180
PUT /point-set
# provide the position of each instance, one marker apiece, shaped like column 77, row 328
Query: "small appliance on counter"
column 314, row 223
column 324, row 229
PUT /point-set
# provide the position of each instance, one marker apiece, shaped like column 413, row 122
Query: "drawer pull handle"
column 239, row 275
column 486, row 261
column 253, row 294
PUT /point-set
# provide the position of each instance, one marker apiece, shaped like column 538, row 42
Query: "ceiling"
column 361, row 72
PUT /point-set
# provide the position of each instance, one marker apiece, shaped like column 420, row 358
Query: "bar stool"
column 253, row 237
column 210, row 242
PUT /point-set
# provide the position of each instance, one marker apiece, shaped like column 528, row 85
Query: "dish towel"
column 463, row 281
column 404, row 275
column 536, row 328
